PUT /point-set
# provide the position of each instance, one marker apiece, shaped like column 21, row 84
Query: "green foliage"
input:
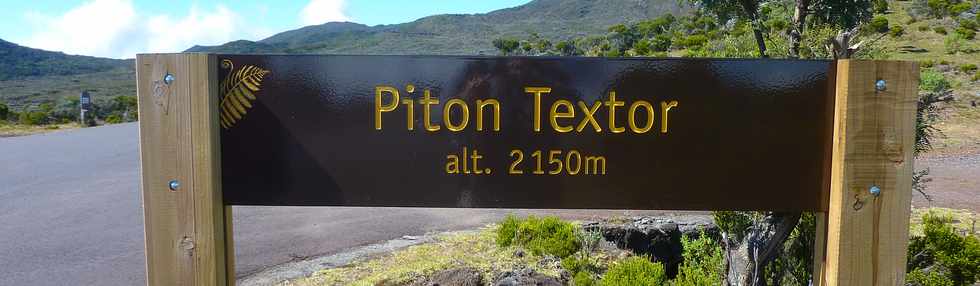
column 939, row 30
column 635, row 270
column 896, row 31
column 33, row 118
column 927, row 64
column 933, row 81
column 584, row 278
column 548, row 235
column 935, row 91
column 942, row 251
column 576, row 264
column 968, row 34
column 968, row 68
column 734, row 223
column 878, row 24
column 938, row 8
column 113, row 119
column 933, row 278
column 880, row 6
column 506, row 46
column 923, row 28
column 693, row 41
column 4, row 111
column 954, row 43
column 959, row 8
column 704, row 262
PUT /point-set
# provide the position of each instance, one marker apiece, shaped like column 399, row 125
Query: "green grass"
column 476, row 249
column 12, row 130
column 963, row 221
column 920, row 42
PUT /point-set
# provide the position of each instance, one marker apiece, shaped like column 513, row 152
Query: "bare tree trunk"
column 747, row 259
column 750, row 8
column 799, row 23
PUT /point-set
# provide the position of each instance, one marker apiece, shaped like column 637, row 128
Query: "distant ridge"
column 22, row 62
column 458, row 34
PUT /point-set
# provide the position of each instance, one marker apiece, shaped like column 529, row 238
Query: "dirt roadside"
column 955, row 180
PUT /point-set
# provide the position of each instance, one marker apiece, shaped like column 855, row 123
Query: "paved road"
column 70, row 215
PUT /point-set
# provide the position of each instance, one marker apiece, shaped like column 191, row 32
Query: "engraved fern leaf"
column 238, row 91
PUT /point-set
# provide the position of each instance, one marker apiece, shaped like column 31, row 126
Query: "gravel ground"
column 955, row 180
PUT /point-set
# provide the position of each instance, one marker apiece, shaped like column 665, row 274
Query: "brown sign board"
column 526, row 132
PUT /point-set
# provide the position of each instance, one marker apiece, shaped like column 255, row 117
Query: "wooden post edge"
column 863, row 238
column 185, row 226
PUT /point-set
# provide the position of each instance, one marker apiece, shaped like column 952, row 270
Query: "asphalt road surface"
column 70, row 214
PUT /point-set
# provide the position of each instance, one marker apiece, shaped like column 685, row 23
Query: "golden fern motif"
column 238, row 91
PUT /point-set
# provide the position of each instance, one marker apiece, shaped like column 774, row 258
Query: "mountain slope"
column 17, row 62
column 458, row 34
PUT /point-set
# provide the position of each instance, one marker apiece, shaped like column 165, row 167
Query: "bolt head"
column 168, row 79
column 174, row 185
column 875, row 191
column 880, row 85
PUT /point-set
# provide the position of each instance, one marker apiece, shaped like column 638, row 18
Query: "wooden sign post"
column 833, row 137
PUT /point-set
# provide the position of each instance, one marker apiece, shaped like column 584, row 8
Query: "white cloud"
column 322, row 11
column 113, row 28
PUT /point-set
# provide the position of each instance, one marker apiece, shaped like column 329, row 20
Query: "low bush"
column 940, row 30
column 923, row 28
column 941, row 256
column 878, row 24
column 896, row 31
column 933, row 81
column 704, row 262
column 548, row 235
column 636, row 270
column 968, row 34
column 968, row 68
column 4, row 112
column 927, row 64
column 959, row 8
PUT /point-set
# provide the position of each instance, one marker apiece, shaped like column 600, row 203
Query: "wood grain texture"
column 874, row 136
column 184, row 228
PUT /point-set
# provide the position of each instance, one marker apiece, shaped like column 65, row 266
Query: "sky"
column 123, row 28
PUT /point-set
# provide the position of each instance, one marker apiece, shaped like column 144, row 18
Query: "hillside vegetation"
column 459, row 34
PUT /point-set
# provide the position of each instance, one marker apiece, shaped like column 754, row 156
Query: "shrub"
column 923, row 28
column 584, row 279
column 968, row 24
column 4, row 111
column 880, row 6
column 933, row 81
column 927, row 63
column 113, row 119
column 703, row 263
column 507, row 230
column 938, row 8
column 636, row 270
column 878, row 24
column 933, row 278
column 548, row 235
column 968, row 68
column 940, row 30
column 959, row 8
column 941, row 256
column 693, row 41
column 33, row 118
column 896, row 31
column 966, row 33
